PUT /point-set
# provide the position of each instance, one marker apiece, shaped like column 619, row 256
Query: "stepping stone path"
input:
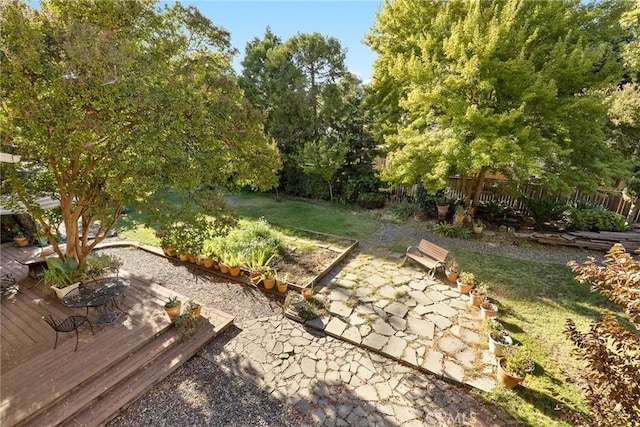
column 387, row 354
column 408, row 317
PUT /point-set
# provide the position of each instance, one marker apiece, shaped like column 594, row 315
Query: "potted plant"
column 62, row 276
column 513, row 368
column 499, row 339
column 268, row 277
column 233, row 260
column 187, row 325
column 257, row 264
column 20, row 237
column 452, row 270
column 193, row 307
column 488, row 310
column 172, row 307
column 442, row 206
column 97, row 266
column 478, row 226
column 459, row 214
column 282, row 283
column 478, row 294
column 308, row 292
column 466, row 281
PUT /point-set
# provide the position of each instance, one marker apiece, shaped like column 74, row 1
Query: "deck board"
column 34, row 377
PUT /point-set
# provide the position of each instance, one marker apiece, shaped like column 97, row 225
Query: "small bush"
column 371, row 200
column 544, row 209
column 452, row 230
column 595, row 220
column 402, row 210
column 492, row 210
column 255, row 237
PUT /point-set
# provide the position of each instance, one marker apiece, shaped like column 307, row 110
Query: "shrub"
column 371, row 200
column 492, row 210
column 452, row 230
column 254, row 237
column 595, row 220
column 544, row 209
column 402, row 210
column 611, row 352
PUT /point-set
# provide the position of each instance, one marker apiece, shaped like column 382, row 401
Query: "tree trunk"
column 478, row 187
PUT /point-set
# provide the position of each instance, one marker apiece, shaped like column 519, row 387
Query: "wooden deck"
column 42, row 386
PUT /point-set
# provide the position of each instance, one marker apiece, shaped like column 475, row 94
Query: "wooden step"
column 92, row 403
column 110, row 403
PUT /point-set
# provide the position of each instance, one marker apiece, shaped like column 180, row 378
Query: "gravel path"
column 201, row 392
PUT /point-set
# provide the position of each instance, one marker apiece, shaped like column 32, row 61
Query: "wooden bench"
column 427, row 254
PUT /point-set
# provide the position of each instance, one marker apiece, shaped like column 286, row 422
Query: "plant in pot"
column 478, row 226
column 268, row 277
column 478, row 294
column 282, row 283
column 97, row 266
column 257, row 263
column 452, row 270
column 513, row 368
column 193, row 307
column 20, row 237
column 465, row 282
column 172, row 307
column 499, row 339
column 442, row 206
column 187, row 325
column 488, row 310
column 459, row 215
column 62, row 276
column 308, row 292
column 233, row 261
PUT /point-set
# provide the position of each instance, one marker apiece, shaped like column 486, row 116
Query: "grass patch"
column 534, row 300
column 311, row 215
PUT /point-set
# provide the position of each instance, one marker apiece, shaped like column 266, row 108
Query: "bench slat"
column 432, row 250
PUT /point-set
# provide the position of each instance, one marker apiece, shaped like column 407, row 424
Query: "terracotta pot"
column 207, row 262
column 170, row 251
column 196, row 312
column 224, row 268
column 475, row 299
column 255, row 277
column 442, row 211
column 234, row 271
column 464, row 288
column 419, row 216
column 269, row 283
column 282, row 287
column 458, row 219
column 505, row 378
column 307, row 293
column 216, row 265
column 452, row 276
column 173, row 312
column 192, row 259
column 477, row 230
column 199, row 260
column 21, row 241
column 488, row 310
column 184, row 257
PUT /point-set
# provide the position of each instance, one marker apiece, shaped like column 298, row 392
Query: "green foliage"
column 610, row 351
column 519, row 361
column 187, row 325
column 402, row 210
column 595, row 220
column 250, row 241
column 452, row 230
column 544, row 209
column 172, row 302
column 492, row 210
column 61, row 273
column 113, row 102
column 371, row 200
column 510, row 86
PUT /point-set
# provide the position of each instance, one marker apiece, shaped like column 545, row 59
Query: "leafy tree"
column 113, row 102
column 509, row 87
column 313, row 107
column 610, row 351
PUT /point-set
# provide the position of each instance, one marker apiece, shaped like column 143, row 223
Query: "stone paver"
column 380, row 315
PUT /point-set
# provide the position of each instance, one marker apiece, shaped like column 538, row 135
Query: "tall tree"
column 112, row 102
column 509, row 87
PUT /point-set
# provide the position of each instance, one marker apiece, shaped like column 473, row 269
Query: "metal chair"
column 71, row 323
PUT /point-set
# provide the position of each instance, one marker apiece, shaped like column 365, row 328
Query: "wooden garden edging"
column 599, row 241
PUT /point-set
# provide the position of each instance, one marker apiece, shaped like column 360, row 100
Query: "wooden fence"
column 498, row 190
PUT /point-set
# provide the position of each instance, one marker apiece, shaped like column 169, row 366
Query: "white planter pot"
column 61, row 292
column 498, row 348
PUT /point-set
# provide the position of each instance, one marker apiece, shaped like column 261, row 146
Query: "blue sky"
column 348, row 21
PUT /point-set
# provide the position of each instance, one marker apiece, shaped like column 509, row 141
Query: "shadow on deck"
column 42, row 386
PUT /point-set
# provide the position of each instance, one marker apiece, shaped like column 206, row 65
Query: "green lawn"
column 534, row 299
